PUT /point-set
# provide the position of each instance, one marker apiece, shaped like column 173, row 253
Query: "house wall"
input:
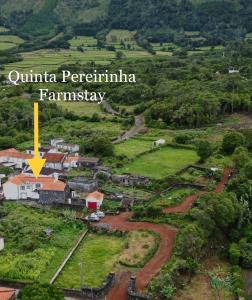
column 57, row 166
column 1, row 244
column 10, row 191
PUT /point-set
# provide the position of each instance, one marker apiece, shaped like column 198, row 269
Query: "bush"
column 248, row 170
column 231, row 141
column 234, row 254
column 204, row 150
column 183, row 139
column 40, row 292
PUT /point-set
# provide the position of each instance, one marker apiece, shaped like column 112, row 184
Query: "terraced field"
column 9, row 41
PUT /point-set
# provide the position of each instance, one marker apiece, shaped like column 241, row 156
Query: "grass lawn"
column 161, row 163
column 132, row 147
column 99, row 253
column 29, row 253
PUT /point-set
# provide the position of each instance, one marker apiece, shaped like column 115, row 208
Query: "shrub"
column 231, row 141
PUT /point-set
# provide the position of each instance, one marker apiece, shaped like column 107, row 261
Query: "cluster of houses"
column 51, row 186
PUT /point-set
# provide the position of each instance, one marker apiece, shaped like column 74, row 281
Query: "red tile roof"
column 47, row 183
column 6, row 293
column 15, row 154
column 54, row 157
column 97, row 195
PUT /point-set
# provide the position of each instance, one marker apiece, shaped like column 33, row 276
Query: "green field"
column 9, row 41
column 87, row 42
column 132, row 147
column 99, row 255
column 71, row 130
column 116, row 36
column 3, row 29
column 29, row 254
column 81, row 108
column 161, row 163
column 49, row 60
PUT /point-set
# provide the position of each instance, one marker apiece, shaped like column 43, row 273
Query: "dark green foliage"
column 231, row 141
column 98, row 144
column 40, row 292
column 248, row 170
column 204, row 150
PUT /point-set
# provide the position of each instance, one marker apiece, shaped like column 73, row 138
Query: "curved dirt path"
column 138, row 126
column 167, row 239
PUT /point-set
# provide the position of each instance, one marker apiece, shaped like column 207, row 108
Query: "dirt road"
column 139, row 125
column 167, row 239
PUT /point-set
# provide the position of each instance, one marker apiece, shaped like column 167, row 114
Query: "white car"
column 100, row 214
column 92, row 218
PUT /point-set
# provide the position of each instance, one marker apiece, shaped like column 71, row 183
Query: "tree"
column 231, row 141
column 40, row 292
column 240, row 157
column 248, row 170
column 119, row 55
column 99, row 144
column 204, row 150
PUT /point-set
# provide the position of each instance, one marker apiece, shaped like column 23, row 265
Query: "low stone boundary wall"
column 61, row 267
column 132, row 295
column 97, row 293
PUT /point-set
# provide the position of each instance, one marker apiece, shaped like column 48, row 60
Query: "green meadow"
column 160, row 163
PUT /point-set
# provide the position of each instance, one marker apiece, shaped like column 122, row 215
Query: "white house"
column 54, row 160
column 159, row 143
column 94, row 200
column 72, row 148
column 55, row 142
column 71, row 161
column 61, row 145
column 22, row 187
column 233, row 71
column 18, row 159
column 42, row 151
column 1, row 243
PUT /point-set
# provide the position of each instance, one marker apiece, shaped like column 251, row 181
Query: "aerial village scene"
column 136, row 188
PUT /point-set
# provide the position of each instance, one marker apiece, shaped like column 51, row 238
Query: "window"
column 38, row 185
column 28, row 187
column 22, row 187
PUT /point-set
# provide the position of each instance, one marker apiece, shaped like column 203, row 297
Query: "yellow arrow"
column 36, row 163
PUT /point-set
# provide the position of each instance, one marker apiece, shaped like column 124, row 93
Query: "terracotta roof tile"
column 54, row 157
column 6, row 293
column 47, row 183
column 14, row 153
column 97, row 195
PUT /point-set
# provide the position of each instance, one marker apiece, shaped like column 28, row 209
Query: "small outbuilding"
column 94, row 200
column 159, row 143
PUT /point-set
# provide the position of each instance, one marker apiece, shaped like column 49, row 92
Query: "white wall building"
column 19, row 159
column 1, row 243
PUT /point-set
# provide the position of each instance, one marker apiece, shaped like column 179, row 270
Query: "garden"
column 36, row 241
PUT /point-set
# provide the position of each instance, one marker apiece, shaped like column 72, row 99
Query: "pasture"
column 81, row 108
column 87, row 42
column 49, row 60
column 9, row 41
column 132, row 147
column 118, row 37
column 99, row 254
column 161, row 163
column 3, row 29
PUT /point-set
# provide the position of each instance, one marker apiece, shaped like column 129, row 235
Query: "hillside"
column 156, row 21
